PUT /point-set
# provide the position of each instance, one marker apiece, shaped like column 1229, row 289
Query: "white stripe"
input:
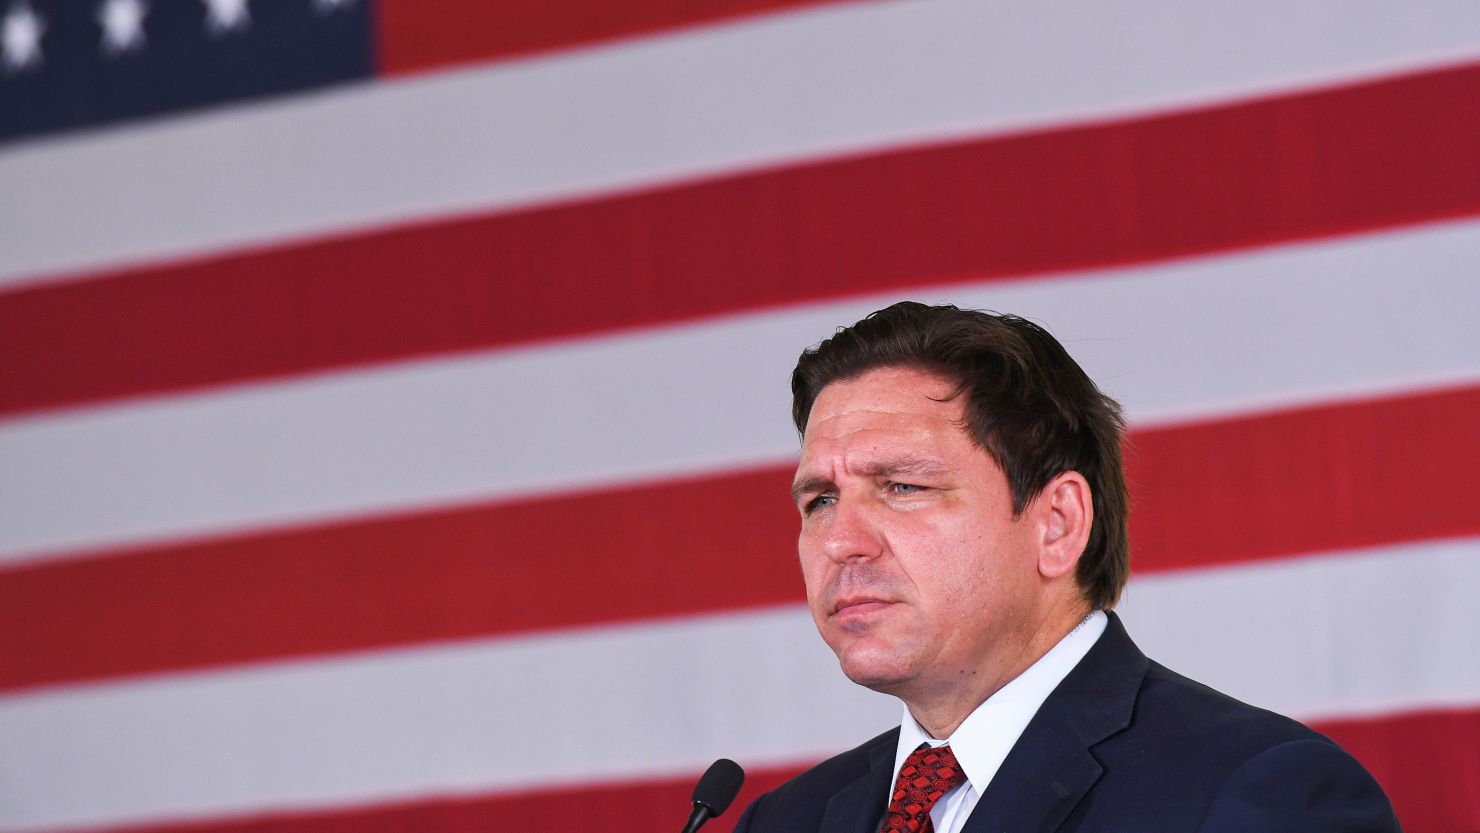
column 764, row 91
column 1379, row 631
column 1196, row 338
column 1333, row 635
column 600, row 704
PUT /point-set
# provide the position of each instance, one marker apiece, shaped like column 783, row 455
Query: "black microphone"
column 714, row 792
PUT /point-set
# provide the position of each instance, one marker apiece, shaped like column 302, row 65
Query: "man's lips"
column 860, row 605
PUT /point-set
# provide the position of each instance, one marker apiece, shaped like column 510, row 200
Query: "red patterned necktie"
column 928, row 773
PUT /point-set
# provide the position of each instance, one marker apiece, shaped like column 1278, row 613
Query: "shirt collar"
column 984, row 738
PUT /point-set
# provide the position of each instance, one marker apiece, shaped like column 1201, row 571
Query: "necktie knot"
column 928, row 773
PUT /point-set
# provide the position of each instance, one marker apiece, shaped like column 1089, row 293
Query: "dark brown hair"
column 1028, row 405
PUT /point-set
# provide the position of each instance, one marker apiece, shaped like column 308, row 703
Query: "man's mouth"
column 860, row 605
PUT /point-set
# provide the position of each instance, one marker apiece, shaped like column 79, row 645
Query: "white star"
column 123, row 25
column 20, row 38
column 223, row 16
column 328, row 7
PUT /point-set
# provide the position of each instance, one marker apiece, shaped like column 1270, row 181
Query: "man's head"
column 960, row 471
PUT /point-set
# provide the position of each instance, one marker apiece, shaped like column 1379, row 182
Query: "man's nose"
column 852, row 533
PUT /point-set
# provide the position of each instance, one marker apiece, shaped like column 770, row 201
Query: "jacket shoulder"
column 1184, row 711
column 1210, row 762
column 1300, row 786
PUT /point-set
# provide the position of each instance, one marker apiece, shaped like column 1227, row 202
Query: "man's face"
column 917, row 572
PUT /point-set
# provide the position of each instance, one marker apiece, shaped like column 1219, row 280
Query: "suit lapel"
column 858, row 807
column 1051, row 766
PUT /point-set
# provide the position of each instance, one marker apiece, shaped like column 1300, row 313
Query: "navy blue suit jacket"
column 1123, row 745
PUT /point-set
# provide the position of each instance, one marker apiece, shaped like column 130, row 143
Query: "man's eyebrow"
column 808, row 485
column 895, row 468
column 905, row 467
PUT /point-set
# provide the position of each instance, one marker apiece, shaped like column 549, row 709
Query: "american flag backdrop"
column 393, row 411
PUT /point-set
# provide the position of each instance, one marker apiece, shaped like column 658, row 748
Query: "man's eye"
column 819, row 502
column 905, row 488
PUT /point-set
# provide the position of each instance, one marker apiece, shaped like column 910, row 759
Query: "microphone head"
column 719, row 785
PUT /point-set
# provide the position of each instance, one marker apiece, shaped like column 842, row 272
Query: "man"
column 963, row 541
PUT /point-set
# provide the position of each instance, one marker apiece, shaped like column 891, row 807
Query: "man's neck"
column 941, row 714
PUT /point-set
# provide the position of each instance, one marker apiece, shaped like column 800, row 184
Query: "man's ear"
column 1065, row 513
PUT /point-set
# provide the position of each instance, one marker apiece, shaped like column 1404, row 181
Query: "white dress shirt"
column 984, row 738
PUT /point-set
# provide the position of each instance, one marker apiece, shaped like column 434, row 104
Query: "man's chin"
column 882, row 674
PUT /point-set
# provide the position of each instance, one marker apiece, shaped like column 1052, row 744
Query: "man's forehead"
column 892, row 420
column 867, row 446
column 875, row 460
column 883, row 398
column 865, row 424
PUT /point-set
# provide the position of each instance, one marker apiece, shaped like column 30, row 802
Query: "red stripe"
column 1319, row 478
column 1427, row 763
column 1397, row 151
column 416, row 35
column 615, row 555
column 638, row 807
column 1370, row 473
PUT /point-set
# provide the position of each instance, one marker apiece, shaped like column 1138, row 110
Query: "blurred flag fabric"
column 393, row 397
